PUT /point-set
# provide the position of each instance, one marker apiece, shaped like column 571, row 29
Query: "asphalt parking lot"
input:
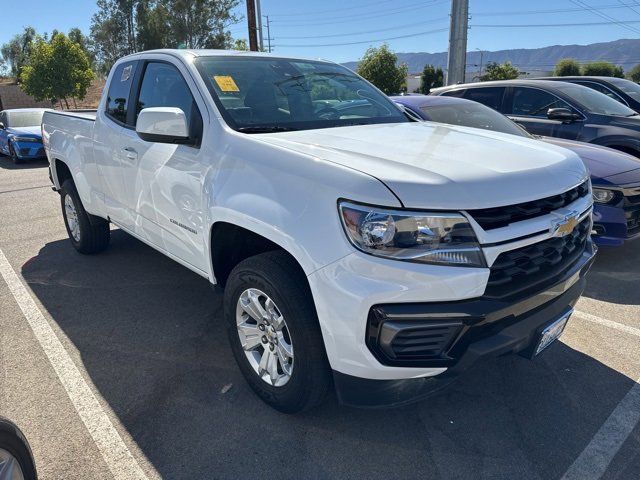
column 147, row 338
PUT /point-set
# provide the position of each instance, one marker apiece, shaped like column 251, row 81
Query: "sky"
column 341, row 30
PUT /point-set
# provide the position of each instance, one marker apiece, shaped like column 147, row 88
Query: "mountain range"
column 625, row 52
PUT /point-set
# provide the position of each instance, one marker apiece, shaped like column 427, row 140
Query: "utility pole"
column 457, row 41
column 251, row 22
column 268, row 33
column 259, row 17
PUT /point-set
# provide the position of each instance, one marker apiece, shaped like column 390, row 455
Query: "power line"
column 368, row 41
column 580, row 3
column 359, row 17
column 333, row 10
column 544, row 25
column 629, row 6
column 435, row 20
column 538, row 12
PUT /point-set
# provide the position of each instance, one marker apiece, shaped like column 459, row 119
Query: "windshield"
column 276, row 94
column 24, row 119
column 471, row 114
column 595, row 102
column 627, row 86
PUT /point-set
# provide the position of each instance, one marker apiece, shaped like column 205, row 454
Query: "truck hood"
column 602, row 162
column 428, row 165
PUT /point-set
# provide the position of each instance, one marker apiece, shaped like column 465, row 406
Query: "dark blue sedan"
column 615, row 175
column 20, row 133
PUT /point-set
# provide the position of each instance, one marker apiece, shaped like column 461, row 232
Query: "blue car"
column 615, row 175
column 20, row 134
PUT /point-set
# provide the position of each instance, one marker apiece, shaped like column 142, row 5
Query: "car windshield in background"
column 627, row 86
column 473, row 115
column 258, row 95
column 595, row 102
column 24, row 119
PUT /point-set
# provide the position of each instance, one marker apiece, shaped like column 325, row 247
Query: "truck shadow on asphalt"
column 7, row 164
column 615, row 275
column 152, row 339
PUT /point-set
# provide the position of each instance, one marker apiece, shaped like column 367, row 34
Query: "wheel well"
column 629, row 150
column 62, row 172
column 231, row 244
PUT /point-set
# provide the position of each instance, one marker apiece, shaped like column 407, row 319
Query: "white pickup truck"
column 356, row 248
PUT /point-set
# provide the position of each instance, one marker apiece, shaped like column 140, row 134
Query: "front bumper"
column 490, row 328
column 29, row 150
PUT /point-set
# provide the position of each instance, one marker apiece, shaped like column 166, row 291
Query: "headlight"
column 25, row 139
column 602, row 195
column 436, row 238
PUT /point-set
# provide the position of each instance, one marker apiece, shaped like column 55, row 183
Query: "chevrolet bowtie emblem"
column 563, row 227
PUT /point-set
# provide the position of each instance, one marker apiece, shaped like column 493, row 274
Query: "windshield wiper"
column 265, row 129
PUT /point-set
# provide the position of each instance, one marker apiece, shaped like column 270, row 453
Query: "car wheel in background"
column 16, row 459
column 88, row 233
column 274, row 332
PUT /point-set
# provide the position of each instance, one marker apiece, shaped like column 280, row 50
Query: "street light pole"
column 261, row 35
column 481, row 56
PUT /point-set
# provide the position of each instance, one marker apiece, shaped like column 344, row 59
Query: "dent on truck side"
column 288, row 198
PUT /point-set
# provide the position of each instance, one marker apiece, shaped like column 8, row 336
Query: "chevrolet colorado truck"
column 357, row 250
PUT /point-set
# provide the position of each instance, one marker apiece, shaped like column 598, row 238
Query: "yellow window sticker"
column 226, row 83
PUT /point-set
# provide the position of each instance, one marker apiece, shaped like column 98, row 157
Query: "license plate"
column 552, row 332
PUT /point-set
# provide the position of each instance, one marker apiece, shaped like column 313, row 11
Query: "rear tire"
column 277, row 278
column 14, row 448
column 88, row 233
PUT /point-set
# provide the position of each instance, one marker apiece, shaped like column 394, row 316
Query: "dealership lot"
column 147, row 338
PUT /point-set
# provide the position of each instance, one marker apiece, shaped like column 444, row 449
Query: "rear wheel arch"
column 62, row 172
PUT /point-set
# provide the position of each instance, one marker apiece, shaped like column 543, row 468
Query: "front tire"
column 274, row 332
column 15, row 453
column 88, row 233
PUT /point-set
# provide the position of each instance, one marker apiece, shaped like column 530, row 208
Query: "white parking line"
column 596, row 457
column 608, row 323
column 113, row 449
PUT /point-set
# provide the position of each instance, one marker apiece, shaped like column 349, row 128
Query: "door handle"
column 130, row 153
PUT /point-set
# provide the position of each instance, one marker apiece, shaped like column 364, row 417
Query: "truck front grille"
column 490, row 218
column 534, row 266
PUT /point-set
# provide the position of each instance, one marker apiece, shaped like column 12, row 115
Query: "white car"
column 356, row 248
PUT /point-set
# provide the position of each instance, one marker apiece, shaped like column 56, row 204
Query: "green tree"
column 202, row 23
column 603, row 69
column 153, row 29
column 121, row 27
column 378, row 65
column 634, row 74
column 499, row 71
column 567, row 67
column 16, row 52
column 240, row 44
column 57, row 70
column 431, row 77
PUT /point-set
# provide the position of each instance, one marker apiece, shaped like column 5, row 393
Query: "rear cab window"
column 117, row 105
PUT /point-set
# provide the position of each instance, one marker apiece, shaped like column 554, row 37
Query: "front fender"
column 287, row 198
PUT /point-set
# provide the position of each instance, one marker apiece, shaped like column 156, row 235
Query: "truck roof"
column 187, row 54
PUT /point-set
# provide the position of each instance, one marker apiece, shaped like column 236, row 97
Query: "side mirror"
column 562, row 114
column 163, row 125
column 2, row 126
